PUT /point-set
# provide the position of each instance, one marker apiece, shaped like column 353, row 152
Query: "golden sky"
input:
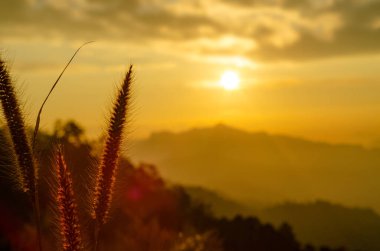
column 306, row 68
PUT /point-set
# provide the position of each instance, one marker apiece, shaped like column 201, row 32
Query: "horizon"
column 242, row 130
column 340, row 130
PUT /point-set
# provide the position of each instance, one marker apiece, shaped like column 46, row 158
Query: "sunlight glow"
column 229, row 80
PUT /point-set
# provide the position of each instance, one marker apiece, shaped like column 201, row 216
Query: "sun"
column 229, row 80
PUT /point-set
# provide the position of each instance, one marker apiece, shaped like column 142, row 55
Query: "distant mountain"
column 218, row 204
column 320, row 223
column 264, row 169
column 329, row 224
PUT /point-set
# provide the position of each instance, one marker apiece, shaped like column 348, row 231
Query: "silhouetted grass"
column 26, row 169
column 105, row 178
column 67, row 208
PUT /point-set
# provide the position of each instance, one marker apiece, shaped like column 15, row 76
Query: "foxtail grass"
column 27, row 172
column 26, row 169
column 106, row 173
column 67, row 208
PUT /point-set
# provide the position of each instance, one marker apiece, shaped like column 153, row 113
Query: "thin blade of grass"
column 51, row 90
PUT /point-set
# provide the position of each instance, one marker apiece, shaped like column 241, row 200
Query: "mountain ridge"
column 265, row 168
column 317, row 222
column 224, row 127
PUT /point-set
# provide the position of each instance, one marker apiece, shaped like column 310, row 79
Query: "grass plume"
column 27, row 171
column 67, row 208
column 105, row 177
column 26, row 168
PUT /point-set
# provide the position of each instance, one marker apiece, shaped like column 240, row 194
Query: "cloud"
column 265, row 30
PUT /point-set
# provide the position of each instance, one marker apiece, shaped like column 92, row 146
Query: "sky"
column 306, row 68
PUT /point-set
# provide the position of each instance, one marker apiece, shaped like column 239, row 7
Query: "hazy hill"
column 320, row 223
column 325, row 223
column 218, row 204
column 264, row 169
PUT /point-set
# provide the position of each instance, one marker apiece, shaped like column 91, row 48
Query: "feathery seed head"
column 26, row 168
column 68, row 216
column 107, row 170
